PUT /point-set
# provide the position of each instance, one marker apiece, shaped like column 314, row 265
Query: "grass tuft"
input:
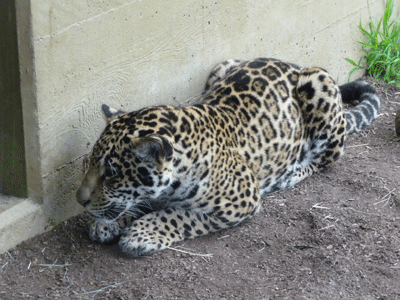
column 382, row 48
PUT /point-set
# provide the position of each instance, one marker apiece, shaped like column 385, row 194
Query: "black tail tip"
column 354, row 90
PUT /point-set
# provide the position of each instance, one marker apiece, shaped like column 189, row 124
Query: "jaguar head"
column 126, row 171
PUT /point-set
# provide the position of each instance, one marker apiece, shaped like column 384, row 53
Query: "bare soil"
column 334, row 236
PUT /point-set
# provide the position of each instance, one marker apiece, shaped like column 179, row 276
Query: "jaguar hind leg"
column 325, row 125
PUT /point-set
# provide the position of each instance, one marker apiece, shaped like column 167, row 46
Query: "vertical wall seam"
column 29, row 100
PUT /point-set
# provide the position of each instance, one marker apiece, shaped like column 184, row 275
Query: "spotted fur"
column 162, row 174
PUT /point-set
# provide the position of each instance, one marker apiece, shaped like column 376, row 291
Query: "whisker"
column 114, row 172
column 145, row 203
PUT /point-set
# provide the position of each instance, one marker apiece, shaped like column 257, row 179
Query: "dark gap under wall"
column 12, row 150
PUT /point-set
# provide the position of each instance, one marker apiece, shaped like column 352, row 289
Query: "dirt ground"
column 334, row 236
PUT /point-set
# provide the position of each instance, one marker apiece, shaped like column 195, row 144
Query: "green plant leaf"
column 382, row 47
column 351, row 61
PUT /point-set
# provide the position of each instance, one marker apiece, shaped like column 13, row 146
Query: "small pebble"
column 269, row 243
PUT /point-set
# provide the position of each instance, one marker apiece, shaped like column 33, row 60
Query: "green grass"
column 382, row 48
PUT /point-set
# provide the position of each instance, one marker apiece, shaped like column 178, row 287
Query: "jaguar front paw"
column 136, row 242
column 104, row 233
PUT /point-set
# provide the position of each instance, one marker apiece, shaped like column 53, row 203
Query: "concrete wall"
column 76, row 55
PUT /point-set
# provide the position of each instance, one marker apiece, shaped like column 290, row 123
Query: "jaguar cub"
column 162, row 174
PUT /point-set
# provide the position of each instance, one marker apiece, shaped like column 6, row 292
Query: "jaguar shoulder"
column 162, row 174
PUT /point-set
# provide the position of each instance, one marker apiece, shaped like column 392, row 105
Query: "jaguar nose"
column 83, row 196
column 84, row 203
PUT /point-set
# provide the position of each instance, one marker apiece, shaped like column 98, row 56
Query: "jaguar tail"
column 367, row 111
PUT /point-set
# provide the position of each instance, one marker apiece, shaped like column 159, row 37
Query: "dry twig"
column 9, row 254
column 354, row 146
column 359, row 172
column 329, row 226
column 319, row 207
column 363, row 212
column 52, row 265
column 388, row 196
column 190, row 253
column 101, row 290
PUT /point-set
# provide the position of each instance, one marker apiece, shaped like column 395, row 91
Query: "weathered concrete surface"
column 23, row 220
column 76, row 55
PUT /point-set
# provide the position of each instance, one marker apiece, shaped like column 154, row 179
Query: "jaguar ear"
column 154, row 149
column 111, row 113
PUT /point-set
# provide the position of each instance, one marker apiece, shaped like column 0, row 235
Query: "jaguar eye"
column 110, row 171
